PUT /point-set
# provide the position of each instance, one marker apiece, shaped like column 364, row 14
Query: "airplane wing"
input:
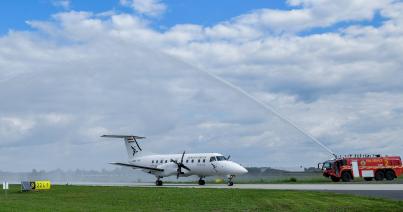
column 137, row 167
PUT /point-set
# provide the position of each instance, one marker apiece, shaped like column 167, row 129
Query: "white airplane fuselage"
column 200, row 164
column 179, row 165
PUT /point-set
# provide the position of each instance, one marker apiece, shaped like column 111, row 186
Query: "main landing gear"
column 201, row 181
column 158, row 182
column 230, row 183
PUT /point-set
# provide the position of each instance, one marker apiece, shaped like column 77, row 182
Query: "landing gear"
column 158, row 182
column 201, row 181
column 230, row 183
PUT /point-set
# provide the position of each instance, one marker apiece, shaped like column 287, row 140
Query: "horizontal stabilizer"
column 137, row 167
column 132, row 146
column 123, row 136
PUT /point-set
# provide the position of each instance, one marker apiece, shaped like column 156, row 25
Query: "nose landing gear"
column 230, row 183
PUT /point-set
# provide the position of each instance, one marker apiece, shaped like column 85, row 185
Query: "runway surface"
column 389, row 191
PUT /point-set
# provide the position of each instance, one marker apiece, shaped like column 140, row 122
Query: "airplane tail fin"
column 132, row 146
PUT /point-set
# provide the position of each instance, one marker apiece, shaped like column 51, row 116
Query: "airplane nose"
column 235, row 169
column 243, row 170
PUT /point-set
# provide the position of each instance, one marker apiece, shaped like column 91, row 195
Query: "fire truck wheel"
column 346, row 177
column 389, row 175
column 335, row 179
column 379, row 175
column 368, row 178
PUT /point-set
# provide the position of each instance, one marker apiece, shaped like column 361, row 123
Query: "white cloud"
column 309, row 14
column 11, row 125
column 65, row 4
column 146, row 7
column 54, row 118
column 80, row 76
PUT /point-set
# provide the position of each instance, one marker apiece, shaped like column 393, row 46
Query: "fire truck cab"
column 369, row 167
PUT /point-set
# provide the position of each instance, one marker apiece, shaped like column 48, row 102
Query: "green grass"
column 98, row 198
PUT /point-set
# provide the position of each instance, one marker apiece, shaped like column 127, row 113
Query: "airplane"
column 181, row 165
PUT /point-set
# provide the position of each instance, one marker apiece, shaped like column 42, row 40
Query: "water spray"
column 270, row 108
column 264, row 105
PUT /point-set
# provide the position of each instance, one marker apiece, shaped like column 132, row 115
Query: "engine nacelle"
column 169, row 169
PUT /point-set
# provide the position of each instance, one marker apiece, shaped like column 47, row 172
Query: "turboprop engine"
column 169, row 169
column 174, row 167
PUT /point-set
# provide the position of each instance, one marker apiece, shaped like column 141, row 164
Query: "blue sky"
column 15, row 13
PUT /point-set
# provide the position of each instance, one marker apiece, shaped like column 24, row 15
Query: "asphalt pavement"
column 388, row 191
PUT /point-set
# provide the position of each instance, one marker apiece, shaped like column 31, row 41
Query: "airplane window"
column 220, row 158
column 198, row 161
column 187, row 161
column 212, row 159
column 161, row 161
column 166, row 161
column 204, row 160
column 156, row 161
column 152, row 161
column 192, row 161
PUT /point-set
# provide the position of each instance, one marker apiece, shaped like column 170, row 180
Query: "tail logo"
column 134, row 150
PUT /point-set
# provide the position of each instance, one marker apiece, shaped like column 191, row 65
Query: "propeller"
column 180, row 165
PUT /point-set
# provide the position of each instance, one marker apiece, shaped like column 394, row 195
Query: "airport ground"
column 149, row 198
column 378, row 190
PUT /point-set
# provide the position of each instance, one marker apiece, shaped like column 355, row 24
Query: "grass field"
column 98, row 198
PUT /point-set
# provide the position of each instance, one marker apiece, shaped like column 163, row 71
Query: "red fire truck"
column 369, row 167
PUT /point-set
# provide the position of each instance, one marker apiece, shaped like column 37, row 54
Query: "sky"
column 73, row 70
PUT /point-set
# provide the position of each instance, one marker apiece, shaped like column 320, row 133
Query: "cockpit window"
column 212, row 159
column 220, row 158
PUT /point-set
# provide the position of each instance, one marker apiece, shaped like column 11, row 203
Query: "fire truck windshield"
column 327, row 165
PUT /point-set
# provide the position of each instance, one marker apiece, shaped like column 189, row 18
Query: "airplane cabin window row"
column 187, row 161
column 212, row 159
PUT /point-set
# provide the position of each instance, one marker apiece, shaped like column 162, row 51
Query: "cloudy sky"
column 71, row 71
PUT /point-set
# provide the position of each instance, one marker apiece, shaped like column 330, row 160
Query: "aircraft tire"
column 158, row 183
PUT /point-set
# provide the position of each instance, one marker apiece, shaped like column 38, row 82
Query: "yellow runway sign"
column 35, row 185
column 40, row 185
